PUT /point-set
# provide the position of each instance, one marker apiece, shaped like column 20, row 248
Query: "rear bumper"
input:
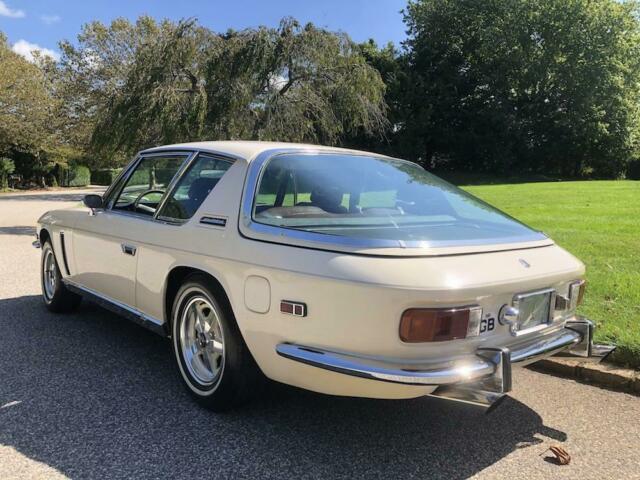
column 480, row 379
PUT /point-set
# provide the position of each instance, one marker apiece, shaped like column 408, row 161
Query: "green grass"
column 598, row 222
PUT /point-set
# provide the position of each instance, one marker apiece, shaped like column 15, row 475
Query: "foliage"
column 507, row 87
column 104, row 177
column 7, row 167
column 75, row 176
column 598, row 222
column 521, row 85
column 633, row 170
column 25, row 105
column 148, row 84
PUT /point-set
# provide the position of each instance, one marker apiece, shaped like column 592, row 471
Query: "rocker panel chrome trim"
column 119, row 308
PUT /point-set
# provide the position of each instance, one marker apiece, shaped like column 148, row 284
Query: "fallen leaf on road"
column 562, row 457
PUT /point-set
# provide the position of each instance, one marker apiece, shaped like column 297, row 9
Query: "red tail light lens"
column 436, row 325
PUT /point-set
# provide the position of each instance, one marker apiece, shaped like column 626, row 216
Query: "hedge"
column 75, row 176
column 633, row 170
column 104, row 177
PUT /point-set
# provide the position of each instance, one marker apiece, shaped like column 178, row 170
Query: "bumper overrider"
column 481, row 379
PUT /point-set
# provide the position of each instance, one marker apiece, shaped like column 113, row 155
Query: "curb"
column 605, row 375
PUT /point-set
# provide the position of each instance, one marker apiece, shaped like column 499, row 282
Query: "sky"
column 41, row 24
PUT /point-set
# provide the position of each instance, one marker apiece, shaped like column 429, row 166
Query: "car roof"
column 246, row 150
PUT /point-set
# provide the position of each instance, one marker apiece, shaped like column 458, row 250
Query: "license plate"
column 534, row 309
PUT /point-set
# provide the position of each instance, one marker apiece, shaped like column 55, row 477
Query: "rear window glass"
column 373, row 197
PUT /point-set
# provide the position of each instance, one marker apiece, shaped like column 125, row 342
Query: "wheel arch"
column 176, row 278
column 44, row 235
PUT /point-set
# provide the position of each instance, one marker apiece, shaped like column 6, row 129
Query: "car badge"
column 524, row 263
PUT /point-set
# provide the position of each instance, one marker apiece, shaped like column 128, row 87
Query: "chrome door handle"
column 128, row 249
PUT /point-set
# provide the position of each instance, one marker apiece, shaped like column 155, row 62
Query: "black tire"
column 56, row 296
column 238, row 377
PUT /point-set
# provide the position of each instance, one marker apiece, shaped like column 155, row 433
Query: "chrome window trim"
column 174, row 184
column 107, row 196
column 128, row 171
column 191, row 155
column 247, row 225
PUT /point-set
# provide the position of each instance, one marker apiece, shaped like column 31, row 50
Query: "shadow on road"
column 50, row 196
column 93, row 395
column 21, row 230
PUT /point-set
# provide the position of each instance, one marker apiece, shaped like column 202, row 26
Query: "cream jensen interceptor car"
column 338, row 271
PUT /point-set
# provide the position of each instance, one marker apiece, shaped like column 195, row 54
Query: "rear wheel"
column 55, row 294
column 213, row 360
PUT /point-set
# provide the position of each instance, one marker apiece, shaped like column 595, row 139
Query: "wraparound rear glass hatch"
column 378, row 201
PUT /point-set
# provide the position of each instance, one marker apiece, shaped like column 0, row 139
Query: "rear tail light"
column 438, row 325
column 576, row 293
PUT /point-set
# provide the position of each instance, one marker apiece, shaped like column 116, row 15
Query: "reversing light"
column 576, row 293
column 439, row 324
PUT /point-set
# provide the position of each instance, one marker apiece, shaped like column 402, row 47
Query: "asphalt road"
column 90, row 395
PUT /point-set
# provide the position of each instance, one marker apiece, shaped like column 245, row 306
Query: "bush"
column 7, row 167
column 75, row 176
column 104, row 177
column 633, row 170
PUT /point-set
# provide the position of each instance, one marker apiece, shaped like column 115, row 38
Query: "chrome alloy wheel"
column 49, row 274
column 202, row 341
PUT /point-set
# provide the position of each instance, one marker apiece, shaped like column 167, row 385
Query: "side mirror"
column 93, row 201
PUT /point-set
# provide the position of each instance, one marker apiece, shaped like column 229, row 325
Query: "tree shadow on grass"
column 99, row 397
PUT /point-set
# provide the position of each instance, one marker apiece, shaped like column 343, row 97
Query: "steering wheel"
column 145, row 208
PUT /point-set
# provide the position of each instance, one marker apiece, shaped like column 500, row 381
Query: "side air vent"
column 64, row 254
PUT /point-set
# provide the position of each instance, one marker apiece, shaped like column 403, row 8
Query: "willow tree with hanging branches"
column 148, row 83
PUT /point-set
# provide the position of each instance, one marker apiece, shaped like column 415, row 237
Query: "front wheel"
column 212, row 357
column 57, row 297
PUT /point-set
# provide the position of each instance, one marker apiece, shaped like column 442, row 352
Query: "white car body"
column 354, row 294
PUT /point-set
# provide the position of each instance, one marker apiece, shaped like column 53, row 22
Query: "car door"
column 155, row 258
column 105, row 244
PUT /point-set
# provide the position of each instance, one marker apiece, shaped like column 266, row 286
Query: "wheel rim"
column 49, row 274
column 202, row 340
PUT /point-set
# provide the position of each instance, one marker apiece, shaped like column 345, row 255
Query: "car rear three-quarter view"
column 338, row 271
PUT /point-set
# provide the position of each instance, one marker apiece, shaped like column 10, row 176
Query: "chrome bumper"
column 480, row 379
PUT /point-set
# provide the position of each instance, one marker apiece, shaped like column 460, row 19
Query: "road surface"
column 90, row 395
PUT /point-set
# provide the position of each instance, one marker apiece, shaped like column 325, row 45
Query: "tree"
column 7, row 167
column 24, row 103
column 147, row 84
column 523, row 85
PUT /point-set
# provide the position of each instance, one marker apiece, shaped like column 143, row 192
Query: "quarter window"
column 194, row 186
column 145, row 187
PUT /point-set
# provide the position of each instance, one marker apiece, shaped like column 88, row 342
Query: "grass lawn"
column 598, row 222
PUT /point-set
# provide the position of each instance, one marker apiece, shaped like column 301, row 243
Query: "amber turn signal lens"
column 434, row 325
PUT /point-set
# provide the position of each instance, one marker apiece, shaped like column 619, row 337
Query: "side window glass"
column 194, row 186
column 145, row 187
